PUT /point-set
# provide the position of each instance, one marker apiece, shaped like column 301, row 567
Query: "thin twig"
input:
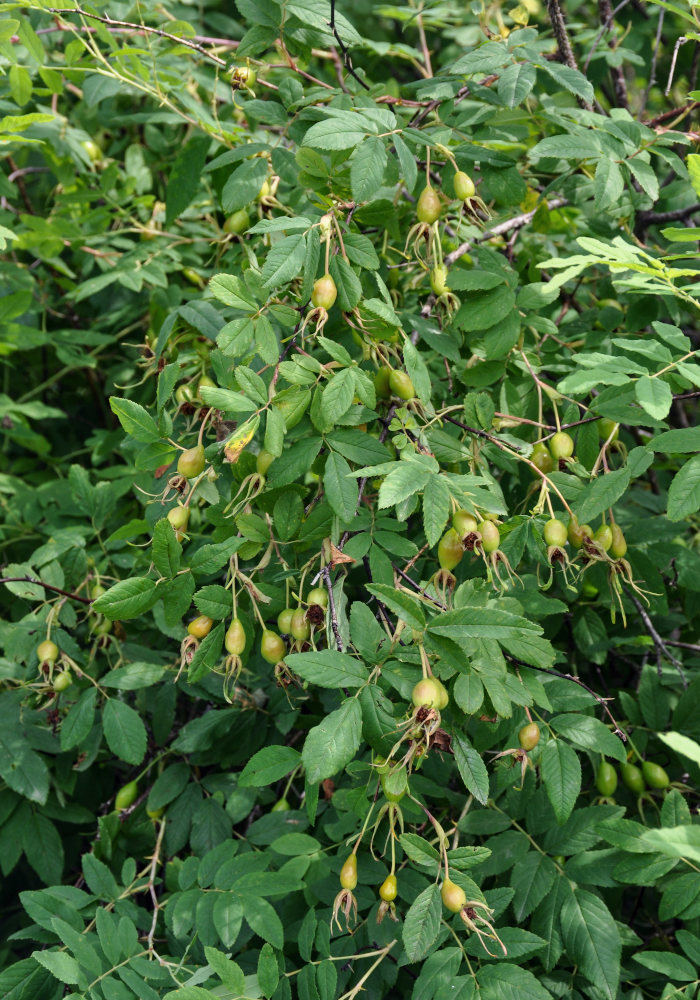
column 652, row 68
column 152, row 885
column 605, row 27
column 326, row 574
column 517, row 222
column 343, row 48
column 616, row 72
column 46, row 586
column 679, row 41
column 417, row 587
column 576, row 680
column 138, row 27
column 660, row 647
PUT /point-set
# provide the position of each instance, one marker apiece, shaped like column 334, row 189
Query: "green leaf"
column 328, row 135
column 405, row 479
column 653, row 395
column 682, row 744
column 128, row 598
column 601, row 493
column 679, row 441
column 268, row 972
column 367, row 168
column 269, row 765
column 185, row 176
column 207, row 654
column 684, row 491
column 471, row 767
column 347, row 283
column 504, row 981
column 436, row 508
column 673, row 967
column 244, row 184
column 675, row 842
column 404, row 606
column 341, row 490
column 338, row 395
column 124, row 731
column 232, row 291
column 608, row 184
column 137, row 423
column 561, row 774
column 515, row 83
column 590, row 734
column 328, row 668
column 76, row 726
column 531, row 878
column 284, row 261
column 332, row 744
column 61, row 966
column 230, row 973
column 422, row 924
column 23, row 769
column 571, row 79
column 592, row 940
column 166, row 550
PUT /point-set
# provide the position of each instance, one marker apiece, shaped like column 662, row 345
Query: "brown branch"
column 660, row 647
column 576, row 680
column 517, row 222
column 343, row 48
column 46, row 586
column 326, row 574
column 616, row 72
column 110, row 22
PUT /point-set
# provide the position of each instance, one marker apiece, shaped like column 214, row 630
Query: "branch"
column 517, row 222
column 326, row 574
column 654, row 58
column 651, row 218
column 617, row 73
column 660, row 647
column 138, row 27
column 46, row 586
column 576, row 680
column 152, row 885
column 343, row 48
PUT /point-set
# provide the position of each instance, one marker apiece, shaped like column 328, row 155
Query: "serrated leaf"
column 232, row 291
column 367, row 168
column 135, row 420
column 338, row 395
column 284, row 261
column 590, row 734
column 684, row 491
column 561, row 775
column 436, row 508
column 601, row 493
column 592, row 940
column 404, row 606
column 185, row 176
column 653, row 395
column 329, row 668
column 471, row 767
column 333, row 744
column 127, row 599
column 124, row 731
column 422, row 924
column 165, row 549
column 268, row 765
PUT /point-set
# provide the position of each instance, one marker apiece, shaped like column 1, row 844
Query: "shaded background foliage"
column 571, row 297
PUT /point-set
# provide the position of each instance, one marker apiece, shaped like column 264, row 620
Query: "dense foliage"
column 350, row 491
